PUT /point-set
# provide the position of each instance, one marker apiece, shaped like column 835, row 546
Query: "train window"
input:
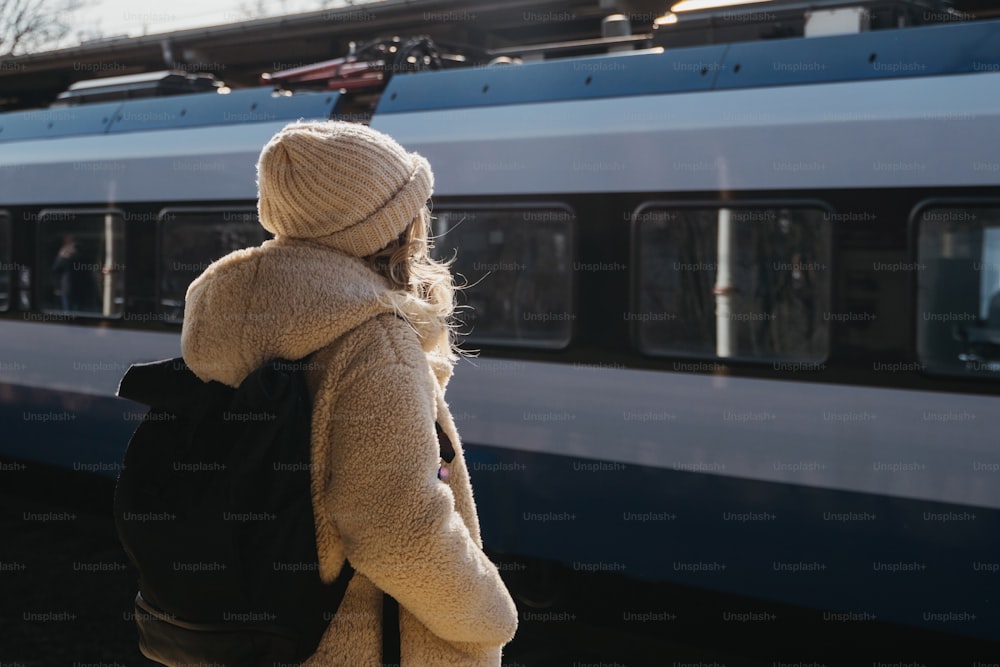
column 190, row 240
column 81, row 262
column 958, row 290
column 746, row 283
column 517, row 264
column 6, row 266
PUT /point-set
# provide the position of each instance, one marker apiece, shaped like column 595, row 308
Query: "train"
column 736, row 310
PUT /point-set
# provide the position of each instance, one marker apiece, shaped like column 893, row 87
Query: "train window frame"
column 42, row 262
column 162, row 220
column 541, row 207
column 635, row 277
column 914, row 235
column 7, row 265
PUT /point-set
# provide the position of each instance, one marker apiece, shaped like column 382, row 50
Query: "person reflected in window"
column 73, row 279
column 62, row 273
column 993, row 313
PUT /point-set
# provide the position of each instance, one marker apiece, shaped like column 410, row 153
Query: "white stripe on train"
column 909, row 444
column 927, row 131
column 933, row 131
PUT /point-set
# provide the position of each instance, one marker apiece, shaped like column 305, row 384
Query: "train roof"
column 913, row 52
column 923, row 51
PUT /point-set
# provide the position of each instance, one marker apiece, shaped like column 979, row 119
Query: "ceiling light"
column 694, row 5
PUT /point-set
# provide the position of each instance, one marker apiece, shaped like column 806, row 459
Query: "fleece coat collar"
column 283, row 299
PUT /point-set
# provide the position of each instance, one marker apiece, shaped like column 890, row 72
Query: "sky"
column 146, row 17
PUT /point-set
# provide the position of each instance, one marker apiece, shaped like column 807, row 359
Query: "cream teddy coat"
column 376, row 496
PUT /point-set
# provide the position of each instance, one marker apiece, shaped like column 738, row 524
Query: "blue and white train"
column 736, row 305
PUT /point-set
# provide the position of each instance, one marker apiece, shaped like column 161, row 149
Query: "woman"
column 348, row 279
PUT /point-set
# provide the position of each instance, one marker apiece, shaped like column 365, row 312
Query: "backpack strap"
column 444, row 444
column 391, row 649
column 391, row 654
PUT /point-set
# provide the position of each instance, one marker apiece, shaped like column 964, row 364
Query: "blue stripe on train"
column 912, row 562
column 883, row 54
column 249, row 105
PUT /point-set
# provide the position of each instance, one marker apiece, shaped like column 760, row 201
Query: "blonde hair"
column 423, row 288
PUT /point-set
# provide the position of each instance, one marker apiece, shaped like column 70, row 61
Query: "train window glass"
column 750, row 283
column 81, row 262
column 517, row 265
column 6, row 266
column 190, row 240
column 958, row 290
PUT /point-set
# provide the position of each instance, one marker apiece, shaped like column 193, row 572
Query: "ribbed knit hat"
column 341, row 184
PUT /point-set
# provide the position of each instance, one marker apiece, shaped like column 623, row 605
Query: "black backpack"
column 213, row 508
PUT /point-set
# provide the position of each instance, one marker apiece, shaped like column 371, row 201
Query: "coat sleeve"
column 397, row 520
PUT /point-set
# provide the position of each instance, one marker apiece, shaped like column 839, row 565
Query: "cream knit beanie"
column 341, row 184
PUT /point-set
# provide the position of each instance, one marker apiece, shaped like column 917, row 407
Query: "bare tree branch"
column 27, row 25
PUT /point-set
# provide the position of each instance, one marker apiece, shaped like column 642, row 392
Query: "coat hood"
column 283, row 299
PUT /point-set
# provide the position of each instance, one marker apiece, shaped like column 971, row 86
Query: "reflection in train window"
column 6, row 267
column 739, row 283
column 517, row 265
column 81, row 262
column 190, row 240
column 958, row 290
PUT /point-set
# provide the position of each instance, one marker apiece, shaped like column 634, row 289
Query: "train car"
column 737, row 309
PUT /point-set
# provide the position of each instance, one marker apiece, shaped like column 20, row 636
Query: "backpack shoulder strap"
column 391, row 651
